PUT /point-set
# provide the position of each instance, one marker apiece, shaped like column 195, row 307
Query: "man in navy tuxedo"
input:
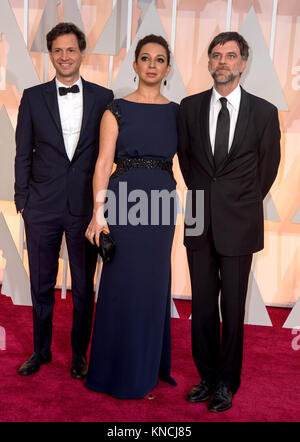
column 229, row 147
column 57, row 142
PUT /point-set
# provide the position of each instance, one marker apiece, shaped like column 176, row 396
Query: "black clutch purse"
column 106, row 248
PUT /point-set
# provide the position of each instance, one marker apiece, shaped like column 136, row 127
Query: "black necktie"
column 222, row 133
column 65, row 90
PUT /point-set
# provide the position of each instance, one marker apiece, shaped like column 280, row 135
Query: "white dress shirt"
column 70, row 110
column 233, row 105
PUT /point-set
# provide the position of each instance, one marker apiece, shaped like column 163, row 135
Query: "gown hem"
column 119, row 396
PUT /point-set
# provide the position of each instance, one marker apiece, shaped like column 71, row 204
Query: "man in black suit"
column 229, row 147
column 57, row 139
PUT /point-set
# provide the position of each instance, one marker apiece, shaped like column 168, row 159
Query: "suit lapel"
column 88, row 102
column 204, row 125
column 50, row 94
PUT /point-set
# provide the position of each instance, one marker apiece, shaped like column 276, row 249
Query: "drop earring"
column 134, row 79
column 165, row 82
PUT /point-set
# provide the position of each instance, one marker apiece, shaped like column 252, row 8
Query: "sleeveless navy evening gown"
column 131, row 343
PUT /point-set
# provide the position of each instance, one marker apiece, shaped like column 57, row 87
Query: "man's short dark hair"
column 66, row 28
column 224, row 37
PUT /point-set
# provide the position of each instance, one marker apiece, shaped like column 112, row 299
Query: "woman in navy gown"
column 131, row 346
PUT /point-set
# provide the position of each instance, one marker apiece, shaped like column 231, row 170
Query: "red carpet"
column 270, row 390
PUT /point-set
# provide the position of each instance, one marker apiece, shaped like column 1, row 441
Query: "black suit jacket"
column 234, row 193
column 45, row 178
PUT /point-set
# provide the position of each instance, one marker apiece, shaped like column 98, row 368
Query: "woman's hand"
column 97, row 225
column 108, row 135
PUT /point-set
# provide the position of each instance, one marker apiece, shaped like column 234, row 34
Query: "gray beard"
column 225, row 79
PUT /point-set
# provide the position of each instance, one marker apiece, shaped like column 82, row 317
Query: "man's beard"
column 223, row 78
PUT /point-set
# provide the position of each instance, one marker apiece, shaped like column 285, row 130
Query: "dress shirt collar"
column 233, row 98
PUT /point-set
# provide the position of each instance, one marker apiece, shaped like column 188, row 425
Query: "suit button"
column 214, row 179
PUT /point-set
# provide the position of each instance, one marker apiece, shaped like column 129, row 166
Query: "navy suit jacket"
column 234, row 193
column 45, row 178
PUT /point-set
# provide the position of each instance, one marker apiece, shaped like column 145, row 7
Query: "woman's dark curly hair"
column 151, row 38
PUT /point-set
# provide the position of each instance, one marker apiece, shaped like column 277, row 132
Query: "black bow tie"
column 65, row 90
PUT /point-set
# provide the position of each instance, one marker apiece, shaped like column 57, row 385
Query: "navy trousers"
column 44, row 233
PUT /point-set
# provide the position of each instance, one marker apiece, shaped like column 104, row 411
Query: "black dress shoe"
column 200, row 392
column 222, row 398
column 32, row 365
column 79, row 367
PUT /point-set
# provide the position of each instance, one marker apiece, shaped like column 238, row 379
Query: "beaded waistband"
column 124, row 164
